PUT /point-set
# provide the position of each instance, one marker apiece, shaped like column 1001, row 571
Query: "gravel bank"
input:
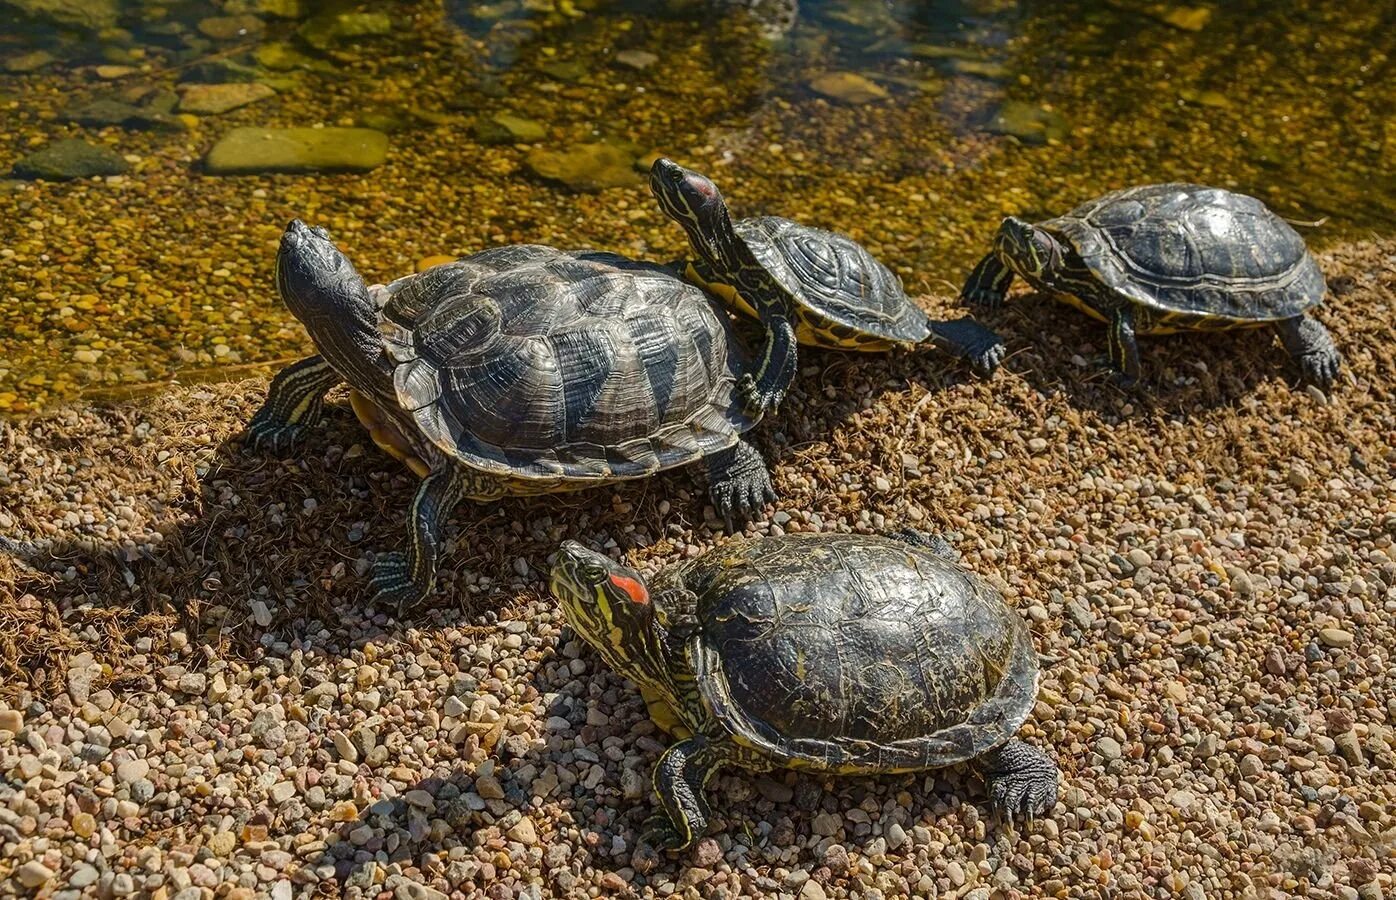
column 196, row 704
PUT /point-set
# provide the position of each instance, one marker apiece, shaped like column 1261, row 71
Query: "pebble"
column 1336, row 637
column 34, row 874
column 249, row 151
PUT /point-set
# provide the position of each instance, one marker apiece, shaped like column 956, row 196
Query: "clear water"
column 963, row 111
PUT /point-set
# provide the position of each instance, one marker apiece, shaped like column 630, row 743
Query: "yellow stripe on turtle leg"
column 294, row 402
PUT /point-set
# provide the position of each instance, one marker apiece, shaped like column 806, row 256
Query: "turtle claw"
column 985, row 298
column 1022, row 797
column 1321, row 368
column 755, row 401
column 393, row 587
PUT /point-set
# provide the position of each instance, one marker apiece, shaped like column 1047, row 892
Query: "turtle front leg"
column 1122, row 348
column 970, row 341
column 1022, row 780
column 1311, row 347
column 680, row 777
column 763, row 390
column 988, row 284
column 932, row 542
column 739, row 483
column 294, row 402
column 403, row 580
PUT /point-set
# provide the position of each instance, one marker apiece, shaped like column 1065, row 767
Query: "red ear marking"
column 633, row 589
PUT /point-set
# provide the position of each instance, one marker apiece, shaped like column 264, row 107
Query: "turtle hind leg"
column 932, row 542
column 971, row 341
column 294, row 402
column 739, row 483
column 680, row 777
column 1022, row 780
column 1311, row 347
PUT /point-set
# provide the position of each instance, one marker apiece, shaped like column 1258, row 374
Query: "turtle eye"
column 593, row 572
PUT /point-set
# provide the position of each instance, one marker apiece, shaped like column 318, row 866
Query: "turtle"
column 1163, row 258
column 804, row 284
column 833, row 653
column 520, row 369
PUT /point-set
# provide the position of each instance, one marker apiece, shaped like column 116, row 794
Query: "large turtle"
column 804, row 284
column 830, row 653
column 521, row 369
column 1168, row 257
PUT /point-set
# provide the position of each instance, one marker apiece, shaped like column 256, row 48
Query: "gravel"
column 1218, row 635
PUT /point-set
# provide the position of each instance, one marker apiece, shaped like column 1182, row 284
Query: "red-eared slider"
column 804, row 284
column 1164, row 258
column 833, row 653
column 521, row 369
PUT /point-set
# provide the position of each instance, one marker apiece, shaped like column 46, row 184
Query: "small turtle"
column 804, row 284
column 1168, row 257
column 833, row 653
column 520, row 369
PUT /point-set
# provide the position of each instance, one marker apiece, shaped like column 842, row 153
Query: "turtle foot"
column 755, row 401
column 985, row 298
column 393, row 587
column 1321, row 367
column 739, row 484
column 1022, row 781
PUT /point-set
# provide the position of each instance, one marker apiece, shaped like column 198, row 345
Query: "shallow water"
column 118, row 284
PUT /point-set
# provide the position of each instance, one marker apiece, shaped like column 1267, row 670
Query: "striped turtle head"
column 1031, row 251
column 607, row 603
column 316, row 281
column 694, row 202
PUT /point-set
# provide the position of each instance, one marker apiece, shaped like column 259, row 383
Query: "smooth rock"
column 506, row 128
column 228, row 28
column 87, row 15
column 11, row 720
column 23, row 63
column 245, row 151
column 1028, row 123
column 1337, row 638
column 33, row 874
column 848, row 87
column 585, row 167
column 105, row 112
column 68, row 159
column 326, row 30
column 636, row 59
column 213, row 99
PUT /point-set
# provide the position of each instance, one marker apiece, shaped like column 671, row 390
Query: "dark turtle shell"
column 533, row 362
column 835, row 277
column 854, row 653
column 1193, row 249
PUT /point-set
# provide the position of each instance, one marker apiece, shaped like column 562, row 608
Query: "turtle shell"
column 1185, row 248
column 852, row 653
column 836, row 278
column 537, row 363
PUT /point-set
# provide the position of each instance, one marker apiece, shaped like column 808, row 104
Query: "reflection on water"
column 911, row 126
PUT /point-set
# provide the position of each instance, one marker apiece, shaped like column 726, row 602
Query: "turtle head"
column 607, row 603
column 1031, row 251
column 694, row 202
column 316, row 280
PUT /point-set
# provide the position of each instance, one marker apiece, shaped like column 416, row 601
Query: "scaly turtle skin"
column 832, row 653
column 518, row 370
column 804, row 284
column 1168, row 257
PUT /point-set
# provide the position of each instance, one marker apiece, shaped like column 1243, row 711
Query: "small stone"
column 192, row 683
column 848, row 87
column 812, row 891
column 132, row 770
column 524, row 832
column 86, row 15
column 1109, row 748
column 421, row 799
column 455, row 707
column 282, row 791
column 488, row 786
column 826, row 824
column 83, row 875
column 1028, row 122
column 1336, row 638
column 585, row 167
column 11, row 720
column 227, row 28
column 33, row 61
column 33, row 874
column 637, row 59
column 84, row 825
column 506, row 128
column 775, row 791
column 222, row 844
column 1251, row 765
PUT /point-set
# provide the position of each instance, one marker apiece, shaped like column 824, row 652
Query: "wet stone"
column 506, row 128
column 848, row 87
column 1029, row 123
column 213, row 99
column 65, row 160
column 88, row 15
column 586, row 167
column 245, row 151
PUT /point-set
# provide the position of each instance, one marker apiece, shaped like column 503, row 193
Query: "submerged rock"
column 326, row 30
column 506, row 128
column 68, row 159
column 105, row 112
column 1028, row 123
column 245, row 151
column 848, row 87
column 229, row 28
column 212, row 99
column 585, row 167
column 638, row 60
column 88, row 15
column 24, row 63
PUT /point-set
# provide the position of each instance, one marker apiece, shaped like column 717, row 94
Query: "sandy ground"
column 200, row 704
